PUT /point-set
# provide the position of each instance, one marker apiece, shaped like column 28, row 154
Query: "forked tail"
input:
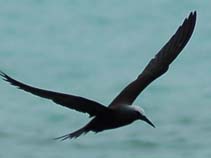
column 75, row 134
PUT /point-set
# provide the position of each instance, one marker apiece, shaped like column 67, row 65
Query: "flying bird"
column 120, row 111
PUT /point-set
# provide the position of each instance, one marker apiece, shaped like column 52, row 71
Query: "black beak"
column 144, row 118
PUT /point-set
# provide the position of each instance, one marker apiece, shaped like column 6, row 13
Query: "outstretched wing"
column 159, row 64
column 73, row 102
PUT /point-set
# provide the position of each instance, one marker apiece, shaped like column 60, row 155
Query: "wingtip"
column 193, row 14
column 64, row 137
column 3, row 75
column 190, row 21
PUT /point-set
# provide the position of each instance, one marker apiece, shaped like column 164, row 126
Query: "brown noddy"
column 120, row 112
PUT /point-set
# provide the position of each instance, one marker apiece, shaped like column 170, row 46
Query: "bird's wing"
column 73, row 102
column 159, row 64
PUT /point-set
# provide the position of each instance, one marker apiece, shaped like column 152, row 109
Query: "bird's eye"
column 137, row 113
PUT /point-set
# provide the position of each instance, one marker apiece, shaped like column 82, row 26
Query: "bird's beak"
column 144, row 118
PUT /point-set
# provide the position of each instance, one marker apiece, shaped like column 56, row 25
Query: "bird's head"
column 140, row 115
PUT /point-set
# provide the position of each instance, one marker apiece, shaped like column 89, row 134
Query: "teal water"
column 93, row 49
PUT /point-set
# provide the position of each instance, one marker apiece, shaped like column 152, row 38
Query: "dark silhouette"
column 118, row 113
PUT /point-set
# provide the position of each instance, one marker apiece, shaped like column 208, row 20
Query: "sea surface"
column 94, row 48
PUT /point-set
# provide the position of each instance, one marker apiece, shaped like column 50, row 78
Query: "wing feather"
column 159, row 64
column 70, row 101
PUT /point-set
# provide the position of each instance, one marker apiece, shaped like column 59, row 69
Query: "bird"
column 120, row 111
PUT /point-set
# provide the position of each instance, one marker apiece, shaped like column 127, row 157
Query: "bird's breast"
column 116, row 119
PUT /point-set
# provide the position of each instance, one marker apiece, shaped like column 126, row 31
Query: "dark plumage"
column 118, row 113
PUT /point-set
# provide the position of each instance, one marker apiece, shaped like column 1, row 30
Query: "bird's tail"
column 75, row 134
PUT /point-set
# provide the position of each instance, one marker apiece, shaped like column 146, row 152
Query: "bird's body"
column 118, row 117
column 120, row 111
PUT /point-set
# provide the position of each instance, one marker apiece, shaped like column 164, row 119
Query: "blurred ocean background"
column 94, row 49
